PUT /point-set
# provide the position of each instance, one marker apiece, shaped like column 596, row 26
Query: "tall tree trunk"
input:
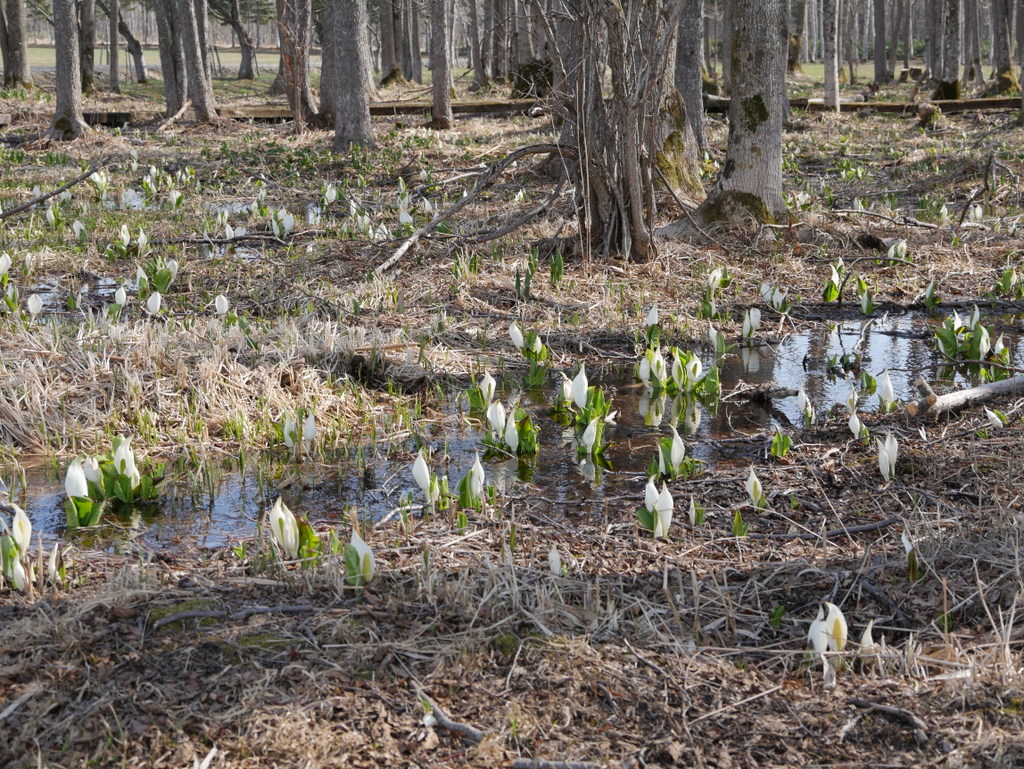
column 130, row 42
column 499, row 40
column 68, row 122
column 196, row 72
column 328, row 69
column 17, row 73
column 172, row 55
column 87, row 44
column 881, row 60
column 416, row 43
column 972, row 43
column 203, row 36
column 5, row 47
column 688, row 68
column 248, row 68
column 798, row 14
column 481, row 77
column 908, row 38
column 623, row 138
column 750, row 183
column 1005, row 78
column 727, row 46
column 830, row 33
column 114, row 79
column 295, row 27
column 899, row 8
column 352, row 101
column 388, row 53
column 440, row 66
column 949, row 86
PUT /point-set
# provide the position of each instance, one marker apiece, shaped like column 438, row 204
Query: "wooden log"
column 931, row 404
column 948, row 107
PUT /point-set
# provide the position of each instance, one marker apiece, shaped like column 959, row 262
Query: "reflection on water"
column 227, row 505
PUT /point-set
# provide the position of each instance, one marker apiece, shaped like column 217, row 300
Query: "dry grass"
column 680, row 652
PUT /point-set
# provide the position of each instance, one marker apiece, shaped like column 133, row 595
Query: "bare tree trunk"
column 196, row 73
column 229, row 12
column 481, row 76
column 830, row 33
column 17, row 72
column 68, row 122
column 972, row 44
column 295, row 27
column 796, row 36
column 440, row 66
column 5, row 47
column 203, row 36
column 727, row 46
column 328, row 69
column 114, row 79
column 881, row 61
column 416, row 43
column 1005, row 79
column 499, row 41
column 87, row 44
column 949, row 86
column 172, row 56
column 899, row 8
column 130, row 41
column 352, row 101
column 688, row 68
column 750, row 184
column 908, row 39
column 388, row 54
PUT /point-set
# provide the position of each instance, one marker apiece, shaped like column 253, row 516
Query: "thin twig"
column 42, row 198
column 484, row 181
column 897, row 713
column 540, row 763
column 834, row 533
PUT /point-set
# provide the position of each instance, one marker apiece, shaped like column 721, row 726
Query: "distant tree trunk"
column 328, row 69
column 114, row 79
column 440, row 66
column 908, row 39
column 130, row 41
column 1005, row 78
column 727, row 46
column 415, row 40
column 486, row 40
column 830, row 33
column 295, row 27
column 949, row 86
column 229, row 12
column 499, row 41
column 688, row 68
column 5, row 47
column 87, row 44
column 899, row 9
column 277, row 88
column 750, row 183
column 640, row 126
column 203, row 36
column 172, row 55
column 68, row 122
column 881, row 60
column 196, row 73
column 796, row 36
column 352, row 101
column 17, row 72
column 388, row 53
column 972, row 44
column 481, row 76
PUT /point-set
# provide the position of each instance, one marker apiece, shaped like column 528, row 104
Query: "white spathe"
column 367, row 562
column 285, row 529
column 663, row 507
column 21, row 530
column 75, row 483
column 580, row 387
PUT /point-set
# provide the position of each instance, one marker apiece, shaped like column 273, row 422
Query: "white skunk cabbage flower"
column 53, row 564
column 867, row 645
column 91, row 468
column 887, row 451
column 886, row 395
column 124, row 461
column 580, row 387
column 75, row 483
column 20, row 577
column 21, row 531
column 308, row 429
column 663, row 507
column 476, row 481
column 285, row 529
column 650, row 495
column 555, row 561
column 754, row 490
column 35, row 305
column 121, row 296
column 994, row 420
column 652, row 316
column 221, row 305
column 516, row 335
column 590, row 436
column 487, row 385
column 496, row 417
column 153, row 303
column 828, row 631
column 751, row 321
column 512, row 431
column 421, row 474
column 855, row 426
column 367, row 563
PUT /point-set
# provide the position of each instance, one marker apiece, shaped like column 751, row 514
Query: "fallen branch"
column 470, row 733
column 485, row 180
column 167, row 123
column 931, row 404
column 898, row 714
column 190, row 614
column 540, row 763
column 43, row 198
column 885, row 523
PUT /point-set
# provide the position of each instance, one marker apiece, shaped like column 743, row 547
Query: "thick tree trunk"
column 17, row 72
column 499, row 40
column 830, row 34
column 87, row 44
column 688, row 68
column 114, row 78
column 68, row 122
column 352, row 101
column 1005, row 78
column 899, row 8
column 798, row 14
column 295, row 27
column 639, row 128
column 750, row 183
column 328, row 69
column 5, row 47
column 203, row 36
column 440, row 66
column 388, row 53
column 172, row 55
column 881, row 61
column 415, row 40
column 196, row 73
column 949, row 86
column 248, row 69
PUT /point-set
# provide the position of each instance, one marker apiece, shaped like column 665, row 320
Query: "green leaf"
column 647, row 518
